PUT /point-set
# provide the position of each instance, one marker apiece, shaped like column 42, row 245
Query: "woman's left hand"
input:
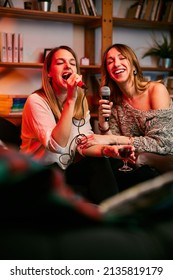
column 93, row 139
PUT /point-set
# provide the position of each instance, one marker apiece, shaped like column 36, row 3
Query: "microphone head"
column 105, row 92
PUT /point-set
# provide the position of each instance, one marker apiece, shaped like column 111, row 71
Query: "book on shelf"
column 78, row 7
column 149, row 7
column 139, row 8
column 90, row 10
column 9, row 47
column 143, row 9
column 82, row 7
column 85, row 7
column 15, row 50
column 167, row 9
column 12, row 103
column 93, row 7
column 3, row 46
column 149, row 10
column 20, row 46
column 5, row 104
column 8, row 3
column 170, row 15
column 159, row 12
column 154, row 9
column 134, row 11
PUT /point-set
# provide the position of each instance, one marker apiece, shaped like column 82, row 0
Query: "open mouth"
column 65, row 76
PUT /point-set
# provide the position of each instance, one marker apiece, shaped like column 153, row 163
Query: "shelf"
column 89, row 21
column 156, row 69
column 21, row 65
column 12, row 115
column 94, row 68
column 139, row 23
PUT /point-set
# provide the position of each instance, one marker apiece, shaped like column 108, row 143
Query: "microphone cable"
column 80, row 122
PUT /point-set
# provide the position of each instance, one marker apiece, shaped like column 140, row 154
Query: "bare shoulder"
column 159, row 96
column 157, row 87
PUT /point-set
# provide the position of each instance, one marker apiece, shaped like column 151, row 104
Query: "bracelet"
column 103, row 130
column 102, row 152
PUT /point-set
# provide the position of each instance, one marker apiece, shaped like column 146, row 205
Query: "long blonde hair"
column 81, row 105
column 139, row 81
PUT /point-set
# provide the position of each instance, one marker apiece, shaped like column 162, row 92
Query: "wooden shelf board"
column 82, row 67
column 21, row 65
column 40, row 65
column 90, row 21
column 156, row 69
column 139, row 23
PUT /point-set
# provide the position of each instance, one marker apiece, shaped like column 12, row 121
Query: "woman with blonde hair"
column 140, row 112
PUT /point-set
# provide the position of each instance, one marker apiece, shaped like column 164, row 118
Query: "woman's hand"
column 72, row 83
column 104, row 111
column 112, row 151
column 93, row 139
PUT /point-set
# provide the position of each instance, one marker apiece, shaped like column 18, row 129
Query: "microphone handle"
column 106, row 97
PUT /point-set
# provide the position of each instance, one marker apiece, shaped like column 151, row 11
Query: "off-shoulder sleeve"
column 152, row 130
column 158, row 136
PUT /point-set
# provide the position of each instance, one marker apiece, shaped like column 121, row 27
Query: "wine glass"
column 125, row 152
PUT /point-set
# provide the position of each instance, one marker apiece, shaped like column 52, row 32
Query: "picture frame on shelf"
column 46, row 52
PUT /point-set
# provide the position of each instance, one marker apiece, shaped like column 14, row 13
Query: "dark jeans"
column 99, row 178
column 93, row 178
column 128, row 179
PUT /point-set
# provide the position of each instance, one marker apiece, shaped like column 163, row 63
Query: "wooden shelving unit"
column 34, row 65
column 92, row 68
column 140, row 23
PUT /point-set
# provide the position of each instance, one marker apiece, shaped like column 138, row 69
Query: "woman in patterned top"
column 140, row 112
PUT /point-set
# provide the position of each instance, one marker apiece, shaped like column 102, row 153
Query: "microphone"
column 80, row 84
column 105, row 93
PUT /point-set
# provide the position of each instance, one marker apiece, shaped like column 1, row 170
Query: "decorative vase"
column 165, row 62
column 44, row 5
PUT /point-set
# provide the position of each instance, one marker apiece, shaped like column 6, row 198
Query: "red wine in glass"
column 125, row 153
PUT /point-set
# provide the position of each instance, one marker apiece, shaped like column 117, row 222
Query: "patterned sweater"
column 152, row 130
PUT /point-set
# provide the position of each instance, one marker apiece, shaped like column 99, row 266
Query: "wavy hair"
column 47, row 92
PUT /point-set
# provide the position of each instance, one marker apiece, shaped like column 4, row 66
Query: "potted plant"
column 163, row 50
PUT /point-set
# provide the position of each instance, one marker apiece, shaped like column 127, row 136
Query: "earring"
column 134, row 72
